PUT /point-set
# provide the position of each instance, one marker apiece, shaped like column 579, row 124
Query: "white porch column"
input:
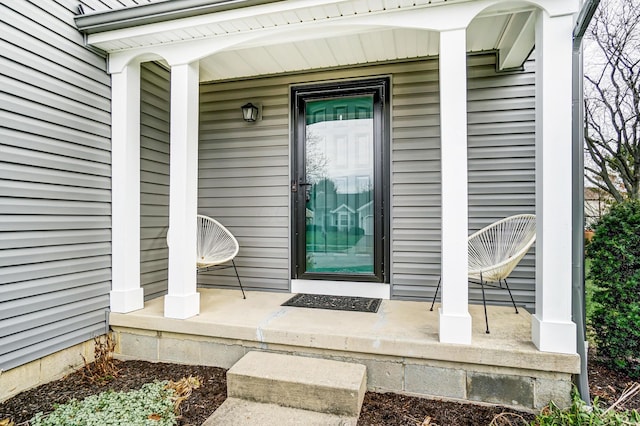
column 455, row 321
column 183, row 300
column 126, row 294
column 552, row 328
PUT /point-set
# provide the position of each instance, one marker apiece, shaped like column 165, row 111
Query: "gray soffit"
column 156, row 12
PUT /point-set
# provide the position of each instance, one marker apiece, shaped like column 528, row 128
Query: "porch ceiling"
column 281, row 37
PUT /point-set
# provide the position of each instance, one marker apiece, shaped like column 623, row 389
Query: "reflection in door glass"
column 339, row 166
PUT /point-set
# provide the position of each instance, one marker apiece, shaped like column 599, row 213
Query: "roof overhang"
column 263, row 37
column 151, row 13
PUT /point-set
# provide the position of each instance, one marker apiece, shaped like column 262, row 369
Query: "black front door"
column 339, row 218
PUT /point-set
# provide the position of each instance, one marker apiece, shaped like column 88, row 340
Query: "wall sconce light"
column 249, row 112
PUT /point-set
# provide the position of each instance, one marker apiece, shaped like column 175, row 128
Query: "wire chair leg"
column 436, row 294
column 238, row 276
column 484, row 303
column 510, row 295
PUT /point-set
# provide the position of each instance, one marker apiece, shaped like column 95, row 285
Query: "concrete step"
column 240, row 412
column 312, row 384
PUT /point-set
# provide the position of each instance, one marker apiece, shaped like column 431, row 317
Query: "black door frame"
column 379, row 88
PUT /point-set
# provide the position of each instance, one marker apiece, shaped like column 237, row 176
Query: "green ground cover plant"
column 579, row 414
column 152, row 404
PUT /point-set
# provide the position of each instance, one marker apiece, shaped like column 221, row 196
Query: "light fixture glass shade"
column 249, row 112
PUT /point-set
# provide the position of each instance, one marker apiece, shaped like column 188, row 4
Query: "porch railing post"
column 552, row 328
column 126, row 294
column 455, row 321
column 183, row 300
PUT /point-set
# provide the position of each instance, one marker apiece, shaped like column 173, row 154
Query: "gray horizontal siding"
column 244, row 169
column 55, row 212
column 154, row 178
column 243, row 181
column 415, row 181
column 501, row 125
column 501, row 171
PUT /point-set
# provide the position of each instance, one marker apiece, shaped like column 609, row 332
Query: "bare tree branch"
column 612, row 100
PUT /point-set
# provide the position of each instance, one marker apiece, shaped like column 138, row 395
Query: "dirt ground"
column 378, row 409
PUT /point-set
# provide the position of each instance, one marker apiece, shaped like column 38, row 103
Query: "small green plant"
column 152, row 404
column 579, row 414
column 614, row 271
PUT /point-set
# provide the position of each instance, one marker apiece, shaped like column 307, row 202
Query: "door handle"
column 295, row 185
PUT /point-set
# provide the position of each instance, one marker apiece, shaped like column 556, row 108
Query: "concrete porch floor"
column 398, row 344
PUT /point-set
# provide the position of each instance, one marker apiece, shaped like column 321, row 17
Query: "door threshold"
column 342, row 288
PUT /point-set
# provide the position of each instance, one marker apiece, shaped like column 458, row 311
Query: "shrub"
column 614, row 253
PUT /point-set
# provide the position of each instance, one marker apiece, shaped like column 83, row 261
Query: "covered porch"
column 399, row 345
column 231, row 45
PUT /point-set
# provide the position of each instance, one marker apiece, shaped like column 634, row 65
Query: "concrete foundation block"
column 558, row 391
column 500, row 389
column 383, row 375
column 18, row 379
column 138, row 346
column 43, row 370
column 66, row 361
column 446, row 382
column 221, row 355
column 179, row 350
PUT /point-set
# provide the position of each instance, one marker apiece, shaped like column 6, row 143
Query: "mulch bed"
column 131, row 375
column 607, row 385
column 378, row 409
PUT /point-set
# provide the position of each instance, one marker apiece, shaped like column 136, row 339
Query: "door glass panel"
column 339, row 166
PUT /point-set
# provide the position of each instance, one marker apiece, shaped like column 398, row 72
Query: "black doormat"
column 336, row 303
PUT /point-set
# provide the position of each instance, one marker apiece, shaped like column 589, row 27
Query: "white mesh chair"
column 216, row 247
column 496, row 250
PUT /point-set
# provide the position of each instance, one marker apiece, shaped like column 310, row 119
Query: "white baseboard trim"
column 342, row 288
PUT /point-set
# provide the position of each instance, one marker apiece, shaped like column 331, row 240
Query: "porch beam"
column 183, row 300
column 126, row 294
column 455, row 321
column 552, row 328
column 516, row 43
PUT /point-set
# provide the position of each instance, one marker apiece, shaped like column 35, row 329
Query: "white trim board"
column 342, row 288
